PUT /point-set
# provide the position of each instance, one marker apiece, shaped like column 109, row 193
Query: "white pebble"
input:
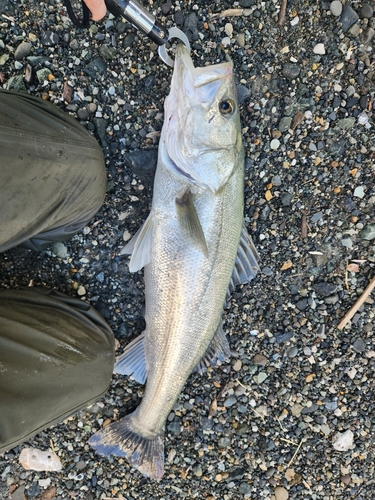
column 294, row 21
column 336, row 8
column 319, row 49
column 343, row 441
column 359, row 192
column 275, row 144
column 281, row 493
column 81, row 290
column 229, row 29
column 225, row 41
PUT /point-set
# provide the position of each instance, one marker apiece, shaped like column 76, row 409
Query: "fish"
column 194, row 249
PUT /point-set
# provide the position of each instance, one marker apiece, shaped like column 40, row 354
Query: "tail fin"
column 144, row 453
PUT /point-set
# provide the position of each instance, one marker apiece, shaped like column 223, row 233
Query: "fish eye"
column 227, row 107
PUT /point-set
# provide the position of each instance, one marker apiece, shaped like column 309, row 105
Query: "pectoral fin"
column 189, row 222
column 140, row 246
column 218, row 350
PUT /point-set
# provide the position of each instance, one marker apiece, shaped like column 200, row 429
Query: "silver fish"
column 193, row 247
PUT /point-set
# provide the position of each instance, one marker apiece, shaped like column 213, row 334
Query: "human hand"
column 97, row 8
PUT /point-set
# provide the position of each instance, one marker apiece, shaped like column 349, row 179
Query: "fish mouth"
column 199, row 77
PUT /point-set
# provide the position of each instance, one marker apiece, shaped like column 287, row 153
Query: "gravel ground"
column 263, row 425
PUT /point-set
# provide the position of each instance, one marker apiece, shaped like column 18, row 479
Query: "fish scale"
column 189, row 248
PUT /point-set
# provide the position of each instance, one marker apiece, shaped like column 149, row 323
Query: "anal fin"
column 218, row 350
column 133, row 360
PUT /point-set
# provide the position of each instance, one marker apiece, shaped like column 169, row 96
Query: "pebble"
column 292, row 352
column 336, row 8
column 240, row 39
column 291, row 70
column 81, row 291
column 348, row 17
column 366, row 11
column 368, row 232
column 285, row 124
column 359, row 192
column 275, row 144
column 260, row 360
column 49, row 38
column 346, row 123
column 281, row 493
column 319, row 49
column 225, row 41
column 60, row 250
column 243, row 93
column 343, row 441
column 23, row 50
column 228, row 28
column 359, row 345
column 230, row 401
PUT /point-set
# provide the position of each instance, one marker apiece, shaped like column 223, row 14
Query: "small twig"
column 295, row 453
column 348, row 316
column 282, row 13
column 228, row 13
column 346, row 276
column 289, row 441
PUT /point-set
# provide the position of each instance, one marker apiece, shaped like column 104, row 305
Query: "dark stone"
column 347, row 204
column 336, row 102
column 359, row 345
column 243, row 93
column 302, row 304
column 286, row 200
column 49, row 38
column 325, row 289
column 191, row 27
column 128, row 40
column 96, row 68
column 246, row 3
column 366, row 11
column 291, row 70
column 309, row 409
column 142, row 163
column 100, row 126
column 83, row 114
column 8, row 8
column 363, row 102
column 166, row 7
column 179, row 18
column 36, row 61
column 348, row 17
column 23, row 50
column 33, row 491
column 283, row 337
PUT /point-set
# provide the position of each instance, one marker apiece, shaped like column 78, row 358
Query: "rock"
column 359, row 192
column 247, row 3
column 291, row 70
column 275, row 144
column 366, row 11
column 68, row 92
column 359, row 345
column 292, row 352
column 281, row 493
column 243, row 93
column 191, row 27
column 346, row 478
column 325, row 289
column 166, row 7
column 368, row 232
column 43, row 74
column 260, row 360
column 34, row 459
column 346, row 123
column 343, row 441
column 49, row 39
column 283, row 337
column 83, row 114
column 101, row 130
column 319, row 49
column 179, row 18
column 142, row 163
column 348, row 17
column 23, row 50
column 96, row 68
column 336, row 8
column 16, row 83
column 18, row 494
column 230, row 401
column 60, row 250
column 285, row 123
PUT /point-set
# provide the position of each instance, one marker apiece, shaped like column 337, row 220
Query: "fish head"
column 202, row 133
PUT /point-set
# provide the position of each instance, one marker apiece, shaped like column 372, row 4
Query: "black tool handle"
column 140, row 18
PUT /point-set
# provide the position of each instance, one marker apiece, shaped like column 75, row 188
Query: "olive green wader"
column 56, row 352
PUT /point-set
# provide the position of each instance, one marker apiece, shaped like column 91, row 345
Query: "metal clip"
column 173, row 33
